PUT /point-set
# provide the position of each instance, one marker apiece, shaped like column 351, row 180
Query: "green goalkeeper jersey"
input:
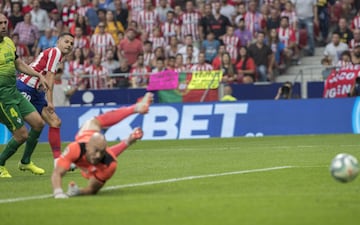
column 8, row 90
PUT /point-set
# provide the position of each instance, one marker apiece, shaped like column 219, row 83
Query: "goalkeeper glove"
column 58, row 193
column 73, row 189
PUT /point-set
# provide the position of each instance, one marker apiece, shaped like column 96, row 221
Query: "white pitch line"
column 172, row 180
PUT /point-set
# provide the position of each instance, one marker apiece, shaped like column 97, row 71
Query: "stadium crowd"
column 118, row 43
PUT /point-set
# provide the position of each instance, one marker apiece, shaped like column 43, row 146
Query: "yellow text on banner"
column 205, row 79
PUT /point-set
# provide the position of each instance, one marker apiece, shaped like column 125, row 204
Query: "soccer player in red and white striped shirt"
column 190, row 21
column 148, row 19
column 98, row 75
column 46, row 64
column 232, row 43
column 102, row 41
column 202, row 65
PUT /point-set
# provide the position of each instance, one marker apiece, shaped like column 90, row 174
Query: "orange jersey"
column 75, row 153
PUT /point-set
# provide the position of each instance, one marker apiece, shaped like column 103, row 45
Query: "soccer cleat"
column 135, row 135
column 142, row 106
column 31, row 167
column 4, row 173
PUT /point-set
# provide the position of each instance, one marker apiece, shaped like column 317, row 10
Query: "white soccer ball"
column 344, row 167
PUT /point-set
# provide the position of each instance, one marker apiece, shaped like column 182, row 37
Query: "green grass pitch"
column 165, row 182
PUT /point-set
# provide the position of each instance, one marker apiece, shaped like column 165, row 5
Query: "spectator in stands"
column 287, row 36
column 216, row 63
column 227, row 96
column 102, row 41
column 263, row 57
column 101, row 15
column 22, row 51
column 170, row 63
column 229, row 70
column 162, row 9
column 241, row 11
column 135, row 7
column 169, row 28
column 148, row 19
column 28, row 33
column 98, row 75
column 355, row 23
column 306, row 11
column 139, row 74
column 62, row 91
column 334, row 49
column 245, row 67
column 243, row 34
column 6, row 8
column 47, row 40
column 130, row 47
column 68, row 13
column 112, row 26
column 345, row 33
column 345, row 60
column 219, row 23
column 81, row 41
column 254, row 21
column 148, row 53
column 201, row 65
column 210, row 47
column 48, row 5
column 274, row 19
column 356, row 40
column 179, row 63
column 77, row 67
column 205, row 21
column 121, row 80
column 160, row 65
column 281, row 53
column 157, row 39
column 80, row 21
column 324, row 19
column 16, row 14
column 285, row 91
column 184, row 49
column 39, row 17
column 173, row 48
column 110, row 63
column 190, row 22
column 159, row 52
column 231, row 42
column 54, row 19
column 355, row 56
column 291, row 14
column 121, row 14
column 227, row 10
column 327, row 68
column 27, row 7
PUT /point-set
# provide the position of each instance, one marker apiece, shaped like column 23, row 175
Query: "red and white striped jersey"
column 355, row 22
column 344, row 64
column 135, row 6
column 148, row 56
column 170, row 3
column 22, row 51
column 253, row 21
column 139, row 76
column 147, row 20
column 292, row 18
column 83, row 9
column 82, row 42
column 286, row 36
column 168, row 30
column 158, row 42
column 201, row 67
column 46, row 61
column 98, row 77
column 232, row 44
column 181, row 69
column 353, row 43
column 190, row 22
column 68, row 15
column 101, row 42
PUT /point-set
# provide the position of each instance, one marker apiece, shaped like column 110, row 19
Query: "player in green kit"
column 14, row 108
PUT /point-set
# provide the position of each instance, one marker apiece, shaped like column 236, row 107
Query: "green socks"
column 9, row 150
column 30, row 146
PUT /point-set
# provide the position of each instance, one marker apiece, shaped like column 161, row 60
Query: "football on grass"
column 344, row 167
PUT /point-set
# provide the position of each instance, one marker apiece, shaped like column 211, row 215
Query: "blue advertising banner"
column 220, row 119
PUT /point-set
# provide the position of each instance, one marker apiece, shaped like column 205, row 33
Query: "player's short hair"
column 65, row 34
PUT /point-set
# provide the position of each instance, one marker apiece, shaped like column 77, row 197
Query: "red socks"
column 113, row 117
column 55, row 141
column 118, row 148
